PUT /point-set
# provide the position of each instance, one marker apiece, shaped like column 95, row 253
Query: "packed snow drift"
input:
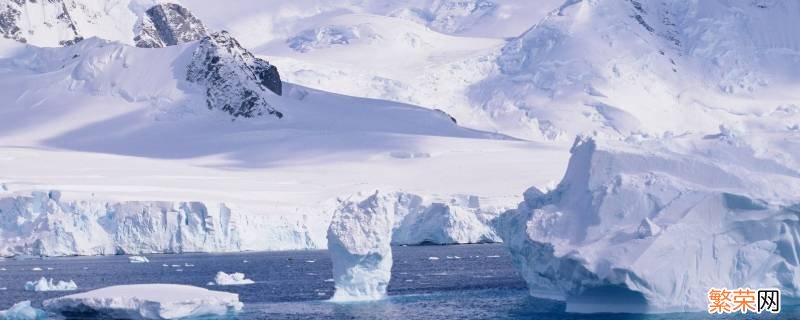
column 148, row 301
column 44, row 284
column 652, row 225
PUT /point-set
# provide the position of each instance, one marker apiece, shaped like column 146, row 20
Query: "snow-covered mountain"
column 150, row 126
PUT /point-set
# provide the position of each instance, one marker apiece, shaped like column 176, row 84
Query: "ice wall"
column 651, row 226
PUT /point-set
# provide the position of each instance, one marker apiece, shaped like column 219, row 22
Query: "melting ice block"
column 148, row 301
column 652, row 226
column 359, row 241
column 22, row 311
column 44, row 284
column 236, row 278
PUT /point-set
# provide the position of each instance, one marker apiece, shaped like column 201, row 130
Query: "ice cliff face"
column 722, row 210
column 168, row 24
column 234, row 79
column 359, row 241
column 363, row 229
column 44, row 224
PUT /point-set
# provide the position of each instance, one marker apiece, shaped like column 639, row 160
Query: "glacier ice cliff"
column 49, row 224
column 652, row 225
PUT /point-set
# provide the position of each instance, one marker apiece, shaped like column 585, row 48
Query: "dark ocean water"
column 466, row 282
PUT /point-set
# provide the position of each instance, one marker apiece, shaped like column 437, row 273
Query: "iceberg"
column 147, row 301
column 650, row 226
column 138, row 259
column 359, row 242
column 44, row 284
column 22, row 311
column 236, row 278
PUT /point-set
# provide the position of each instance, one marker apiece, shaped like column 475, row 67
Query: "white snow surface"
column 44, row 284
column 149, row 301
column 22, row 311
column 359, row 242
column 721, row 209
column 157, row 184
column 235, row 278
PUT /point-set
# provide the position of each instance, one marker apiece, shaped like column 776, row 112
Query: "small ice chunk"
column 493, row 256
column 148, row 301
column 236, row 278
column 245, row 261
column 176, row 266
column 185, row 264
column 138, row 259
column 433, row 258
column 44, row 284
column 36, row 269
column 311, row 261
column 329, row 280
column 22, row 311
column 49, row 268
column 179, row 270
column 164, row 265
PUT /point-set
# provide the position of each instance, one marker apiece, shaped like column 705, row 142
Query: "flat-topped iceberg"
column 359, row 241
column 44, row 284
column 651, row 226
column 236, row 278
column 147, row 301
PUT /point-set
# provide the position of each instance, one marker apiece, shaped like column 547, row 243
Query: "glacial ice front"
column 652, row 225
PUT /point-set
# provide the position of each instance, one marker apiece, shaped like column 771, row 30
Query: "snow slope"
column 130, row 116
column 722, row 209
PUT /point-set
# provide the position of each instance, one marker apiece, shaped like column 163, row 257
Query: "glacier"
column 650, row 225
column 148, row 301
column 48, row 224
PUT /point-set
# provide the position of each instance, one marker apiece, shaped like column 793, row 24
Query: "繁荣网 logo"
column 744, row 300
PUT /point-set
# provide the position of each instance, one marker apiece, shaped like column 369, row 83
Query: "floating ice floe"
column 433, row 258
column 236, row 278
column 651, row 226
column 138, row 259
column 36, row 269
column 148, row 301
column 359, row 242
column 22, row 311
column 44, row 284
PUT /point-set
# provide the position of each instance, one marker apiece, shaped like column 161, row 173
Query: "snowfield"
column 148, row 301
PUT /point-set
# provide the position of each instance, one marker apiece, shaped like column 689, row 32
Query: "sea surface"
column 428, row 282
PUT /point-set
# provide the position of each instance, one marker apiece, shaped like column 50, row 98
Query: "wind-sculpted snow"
column 652, row 225
column 168, row 24
column 147, row 301
column 46, row 225
column 43, row 21
column 359, row 241
column 235, row 80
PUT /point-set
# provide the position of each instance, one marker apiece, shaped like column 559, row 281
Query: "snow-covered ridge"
column 168, row 24
column 723, row 213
